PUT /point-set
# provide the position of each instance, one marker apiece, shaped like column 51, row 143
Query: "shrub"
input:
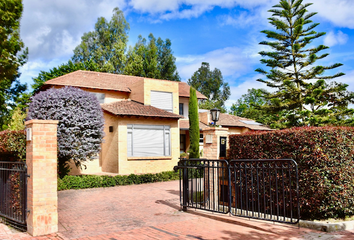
column 193, row 116
column 12, row 145
column 80, row 129
column 325, row 162
column 90, row 181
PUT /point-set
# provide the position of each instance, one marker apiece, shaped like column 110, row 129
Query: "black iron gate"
column 13, row 193
column 264, row 189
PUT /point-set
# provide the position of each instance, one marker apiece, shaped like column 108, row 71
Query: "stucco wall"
column 137, row 90
column 109, row 153
column 204, row 117
column 162, row 86
column 141, row 91
column 237, row 130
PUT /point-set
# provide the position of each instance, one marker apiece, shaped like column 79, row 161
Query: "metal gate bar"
column 264, row 189
column 13, row 193
column 200, row 181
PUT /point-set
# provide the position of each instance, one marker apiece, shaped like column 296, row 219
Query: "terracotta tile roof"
column 96, row 80
column 184, row 125
column 131, row 108
column 229, row 120
column 184, row 91
column 107, row 81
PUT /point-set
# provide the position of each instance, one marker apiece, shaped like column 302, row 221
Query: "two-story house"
column 146, row 121
column 141, row 120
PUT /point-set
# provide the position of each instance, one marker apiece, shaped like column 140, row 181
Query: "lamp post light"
column 215, row 114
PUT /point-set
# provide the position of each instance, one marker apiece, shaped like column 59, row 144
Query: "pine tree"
column 193, row 124
column 303, row 94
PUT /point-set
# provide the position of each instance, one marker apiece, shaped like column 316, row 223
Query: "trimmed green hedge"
column 91, row 181
column 325, row 160
column 12, row 145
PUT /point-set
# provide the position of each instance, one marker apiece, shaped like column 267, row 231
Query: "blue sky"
column 224, row 33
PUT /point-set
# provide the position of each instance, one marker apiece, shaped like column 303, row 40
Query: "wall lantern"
column 215, row 114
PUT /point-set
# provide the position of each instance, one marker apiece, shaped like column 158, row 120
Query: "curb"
column 327, row 227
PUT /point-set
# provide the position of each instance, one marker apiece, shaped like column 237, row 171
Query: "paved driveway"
column 151, row 211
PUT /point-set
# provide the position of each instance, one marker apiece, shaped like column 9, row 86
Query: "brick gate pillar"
column 211, row 141
column 211, row 150
column 41, row 160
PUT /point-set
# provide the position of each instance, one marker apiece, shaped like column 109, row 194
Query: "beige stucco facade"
column 114, row 157
column 141, row 91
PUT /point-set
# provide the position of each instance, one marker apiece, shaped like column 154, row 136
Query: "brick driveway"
column 151, row 211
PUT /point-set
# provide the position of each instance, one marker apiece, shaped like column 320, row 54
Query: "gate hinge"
column 27, row 175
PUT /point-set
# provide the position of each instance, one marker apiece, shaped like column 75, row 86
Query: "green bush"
column 12, row 145
column 325, row 162
column 90, row 181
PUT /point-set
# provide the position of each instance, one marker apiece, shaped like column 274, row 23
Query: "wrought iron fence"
column 200, row 183
column 261, row 189
column 265, row 189
column 13, row 193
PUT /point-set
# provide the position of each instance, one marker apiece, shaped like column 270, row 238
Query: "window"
column 182, row 143
column 181, row 109
column 201, row 140
column 162, row 100
column 100, row 97
column 148, row 141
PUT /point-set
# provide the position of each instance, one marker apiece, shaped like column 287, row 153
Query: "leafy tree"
column 193, row 124
column 248, row 105
column 212, row 85
column 166, row 61
column 106, row 45
column 303, row 94
column 13, row 54
column 62, row 70
column 80, row 129
column 153, row 59
column 17, row 119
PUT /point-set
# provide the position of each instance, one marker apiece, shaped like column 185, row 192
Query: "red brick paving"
column 151, row 211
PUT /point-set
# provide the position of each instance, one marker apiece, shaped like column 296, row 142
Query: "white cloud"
column 231, row 61
column 348, row 79
column 332, row 38
column 32, row 68
column 238, row 90
column 176, row 9
column 257, row 16
column 339, row 12
column 51, row 29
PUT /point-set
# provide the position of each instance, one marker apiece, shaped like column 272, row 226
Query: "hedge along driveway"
column 325, row 160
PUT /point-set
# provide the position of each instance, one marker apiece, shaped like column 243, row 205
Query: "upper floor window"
column 100, row 97
column 162, row 100
column 181, row 112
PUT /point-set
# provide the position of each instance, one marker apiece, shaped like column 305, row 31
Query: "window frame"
column 166, row 109
column 181, row 108
column 166, row 135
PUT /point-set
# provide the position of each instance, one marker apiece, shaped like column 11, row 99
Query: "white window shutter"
column 162, row 100
column 148, row 141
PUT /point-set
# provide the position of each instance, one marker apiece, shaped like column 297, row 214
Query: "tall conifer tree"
column 303, row 94
column 193, row 124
